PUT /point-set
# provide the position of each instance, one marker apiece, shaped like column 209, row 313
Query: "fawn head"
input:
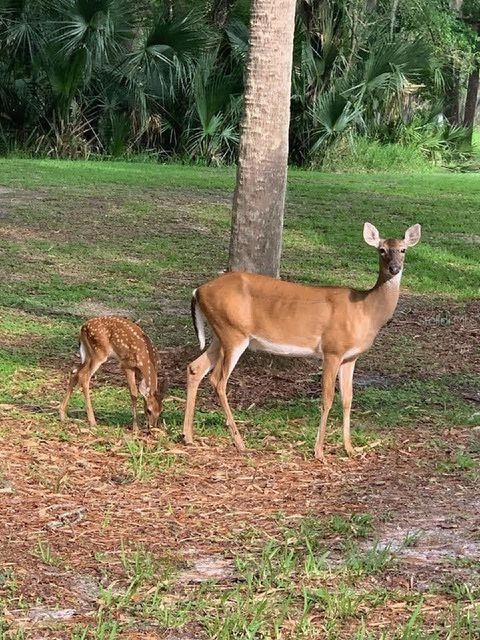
column 153, row 401
column 391, row 252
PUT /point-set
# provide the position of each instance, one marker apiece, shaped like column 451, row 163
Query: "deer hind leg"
column 72, row 383
column 84, row 376
column 219, row 378
column 196, row 371
column 345, row 380
column 132, row 387
column 331, row 364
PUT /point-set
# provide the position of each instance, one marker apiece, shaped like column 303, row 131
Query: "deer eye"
column 382, row 251
column 402, row 250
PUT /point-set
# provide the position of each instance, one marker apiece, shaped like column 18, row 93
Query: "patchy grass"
column 142, row 536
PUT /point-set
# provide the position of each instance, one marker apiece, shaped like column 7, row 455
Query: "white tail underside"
column 200, row 322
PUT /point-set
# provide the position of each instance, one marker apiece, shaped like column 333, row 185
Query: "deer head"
column 153, row 401
column 391, row 251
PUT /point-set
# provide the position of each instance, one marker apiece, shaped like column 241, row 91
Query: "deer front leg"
column 345, row 380
column 331, row 364
column 132, row 387
column 84, row 379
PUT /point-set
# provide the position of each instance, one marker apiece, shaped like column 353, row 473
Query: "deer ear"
column 371, row 235
column 143, row 388
column 412, row 235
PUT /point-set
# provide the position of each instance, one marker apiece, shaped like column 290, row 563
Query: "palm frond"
column 22, row 27
column 166, row 56
column 100, row 27
column 332, row 115
column 236, row 32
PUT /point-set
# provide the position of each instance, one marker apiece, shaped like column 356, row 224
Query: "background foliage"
column 165, row 78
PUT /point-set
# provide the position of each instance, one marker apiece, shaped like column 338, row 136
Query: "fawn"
column 107, row 336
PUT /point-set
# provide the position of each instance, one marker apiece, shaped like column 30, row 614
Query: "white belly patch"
column 282, row 349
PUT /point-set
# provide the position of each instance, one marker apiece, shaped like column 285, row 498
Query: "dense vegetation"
column 165, row 78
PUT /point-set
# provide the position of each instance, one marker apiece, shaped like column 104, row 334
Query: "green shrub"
column 362, row 154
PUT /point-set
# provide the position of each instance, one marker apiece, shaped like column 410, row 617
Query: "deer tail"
column 198, row 320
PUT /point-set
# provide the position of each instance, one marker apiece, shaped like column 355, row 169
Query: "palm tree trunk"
column 393, row 17
column 472, row 87
column 452, row 97
column 259, row 199
column 471, row 100
column 219, row 11
column 452, row 110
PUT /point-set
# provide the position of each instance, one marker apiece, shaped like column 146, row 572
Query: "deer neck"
column 149, row 369
column 382, row 300
column 149, row 374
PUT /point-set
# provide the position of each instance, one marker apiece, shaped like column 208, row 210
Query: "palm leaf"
column 22, row 27
column 236, row 32
column 332, row 115
column 166, row 55
column 100, row 27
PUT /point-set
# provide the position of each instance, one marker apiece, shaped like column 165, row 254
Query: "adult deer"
column 246, row 310
column 107, row 336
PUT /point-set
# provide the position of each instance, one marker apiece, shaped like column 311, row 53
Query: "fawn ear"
column 144, row 388
column 371, row 235
column 412, row 235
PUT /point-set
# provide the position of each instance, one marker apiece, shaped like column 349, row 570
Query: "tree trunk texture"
column 452, row 98
column 393, row 17
column 471, row 100
column 219, row 11
column 259, row 199
column 452, row 94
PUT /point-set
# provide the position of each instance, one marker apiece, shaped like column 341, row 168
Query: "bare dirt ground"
column 212, row 504
column 76, row 500
column 84, row 504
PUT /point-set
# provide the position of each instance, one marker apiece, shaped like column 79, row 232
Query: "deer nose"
column 394, row 269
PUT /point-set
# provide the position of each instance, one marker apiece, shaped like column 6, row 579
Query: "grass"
column 80, row 239
column 144, row 461
column 68, row 265
column 376, row 412
column 276, row 595
column 319, row 231
column 461, row 461
column 44, row 552
column 476, row 142
column 362, row 155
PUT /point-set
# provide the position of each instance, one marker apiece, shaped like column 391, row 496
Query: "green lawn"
column 322, row 238
column 80, row 239
column 476, row 142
